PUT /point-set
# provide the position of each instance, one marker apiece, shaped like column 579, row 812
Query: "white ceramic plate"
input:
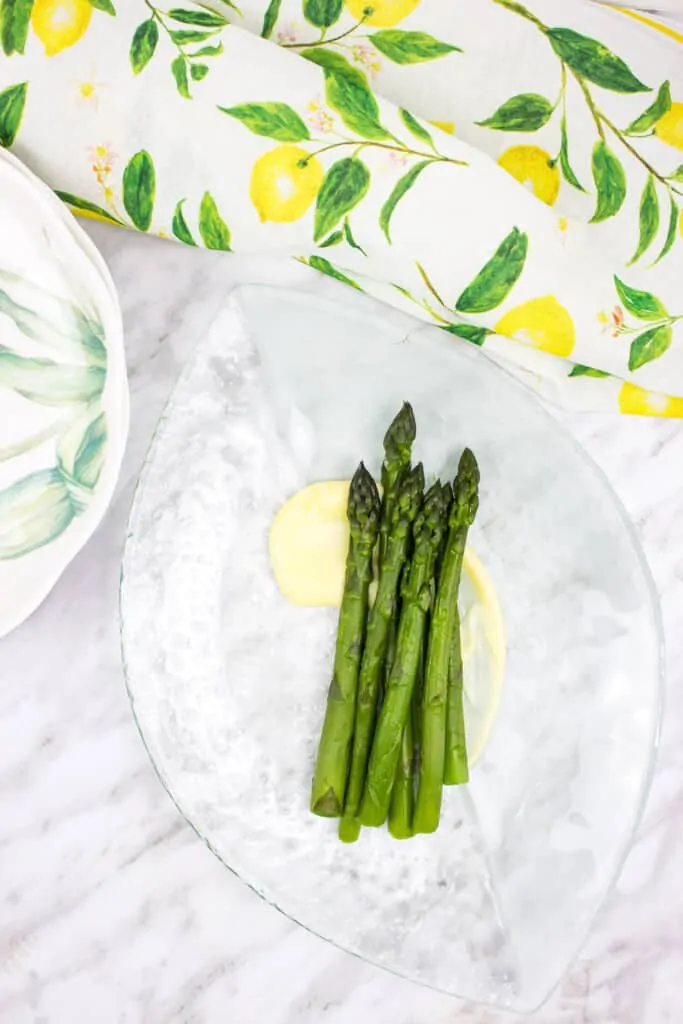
column 63, row 390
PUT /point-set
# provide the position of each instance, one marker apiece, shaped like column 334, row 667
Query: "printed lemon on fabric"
column 284, row 183
column 636, row 401
column 540, row 323
column 669, row 128
column 533, row 168
column 60, row 23
column 381, row 13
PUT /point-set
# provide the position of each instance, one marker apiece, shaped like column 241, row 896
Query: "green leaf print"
column 103, row 5
column 84, row 204
column 526, row 112
column 565, row 165
column 648, row 218
column 274, row 120
column 12, row 101
column 350, row 240
column 82, row 449
column 179, row 72
column 14, row 21
column 644, row 305
column 677, row 174
column 334, row 239
column 591, row 60
column 343, row 187
column 179, row 226
column 322, row 13
column 348, row 92
column 33, row 512
column 610, row 182
column 648, row 119
column 213, row 229
column 470, row 332
column 649, row 346
column 416, row 127
column 198, row 72
column 139, row 189
column 671, row 230
column 402, row 186
column 183, row 36
column 410, row 47
column 49, row 383
column 496, row 279
column 270, row 18
column 325, row 267
column 143, row 45
column 209, row 51
column 206, row 18
column 579, row 370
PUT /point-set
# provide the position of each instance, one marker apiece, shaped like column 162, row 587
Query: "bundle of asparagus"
column 388, row 754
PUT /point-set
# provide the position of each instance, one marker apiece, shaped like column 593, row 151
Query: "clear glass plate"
column 228, row 681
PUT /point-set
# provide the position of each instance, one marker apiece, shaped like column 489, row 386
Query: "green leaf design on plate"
column 206, row 18
column 334, row 239
column 470, row 332
column 644, row 305
column 579, row 370
column 198, row 72
column 649, row 346
column 410, row 47
column 213, row 229
column 526, row 112
column 594, row 61
column 182, row 36
column 33, row 512
column 348, row 92
column 648, row 218
column 179, row 226
column 495, row 280
column 416, row 127
column 53, row 321
column 49, row 383
column 82, row 449
column 565, row 165
column 322, row 13
column 648, row 119
column 270, row 18
column 12, row 102
column 343, row 187
column 325, row 267
column 671, row 230
column 78, row 203
column 610, row 182
column 402, row 186
column 139, row 189
column 14, row 21
column 274, row 120
column 143, row 45
column 103, row 5
column 179, row 72
column 348, row 235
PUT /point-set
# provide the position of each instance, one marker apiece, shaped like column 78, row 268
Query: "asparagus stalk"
column 435, row 729
column 417, row 597
column 402, row 796
column 398, row 445
column 456, row 769
column 404, row 509
column 329, row 780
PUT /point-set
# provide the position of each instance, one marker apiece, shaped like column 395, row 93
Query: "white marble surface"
column 111, row 909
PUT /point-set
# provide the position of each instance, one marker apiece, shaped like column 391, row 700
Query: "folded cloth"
column 511, row 172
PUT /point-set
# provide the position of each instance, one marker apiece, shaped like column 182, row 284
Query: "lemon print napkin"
column 511, row 172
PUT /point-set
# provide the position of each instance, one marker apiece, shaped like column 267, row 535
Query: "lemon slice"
column 309, row 539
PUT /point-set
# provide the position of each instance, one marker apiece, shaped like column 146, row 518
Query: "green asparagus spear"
column 401, row 517
column 329, row 781
column 402, row 795
column 417, row 593
column 398, row 445
column 456, row 769
column 434, row 704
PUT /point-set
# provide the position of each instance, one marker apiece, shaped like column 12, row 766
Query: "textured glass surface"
column 228, row 681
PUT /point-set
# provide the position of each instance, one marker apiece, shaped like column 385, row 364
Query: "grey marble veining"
column 111, row 910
